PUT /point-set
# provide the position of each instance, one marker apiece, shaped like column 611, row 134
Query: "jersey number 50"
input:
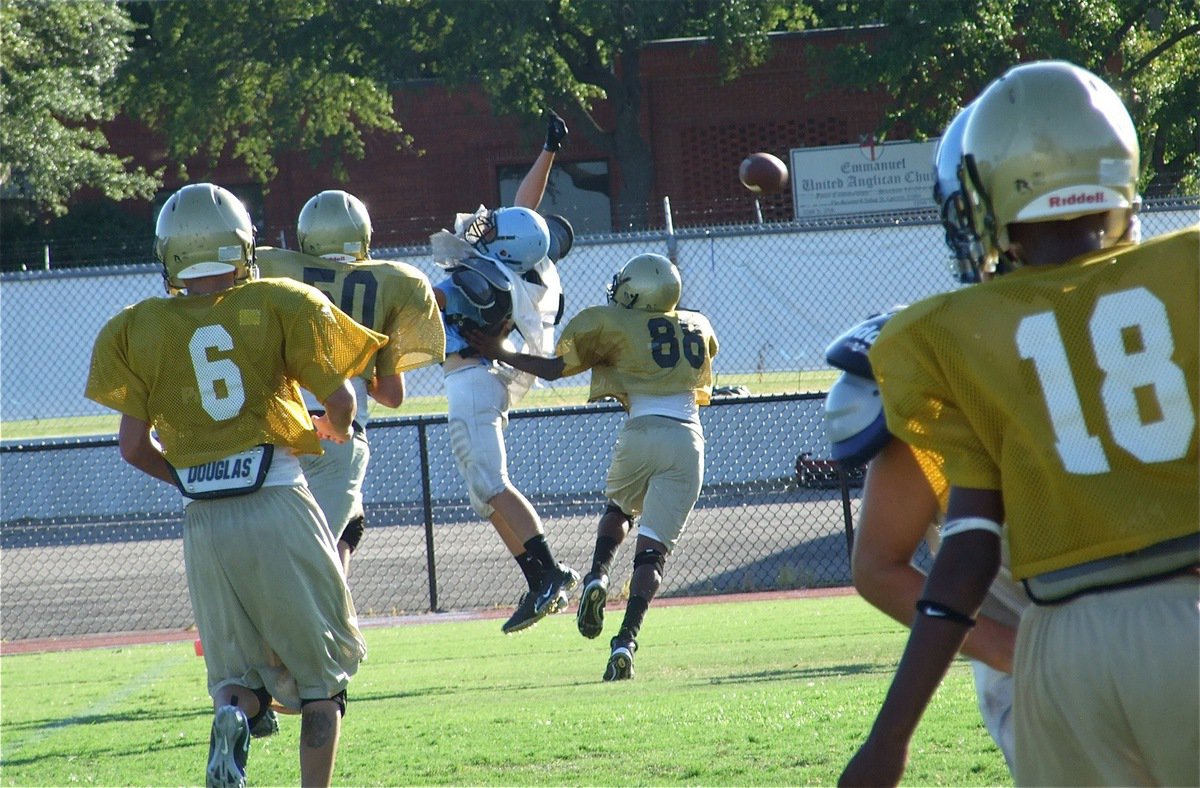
column 361, row 283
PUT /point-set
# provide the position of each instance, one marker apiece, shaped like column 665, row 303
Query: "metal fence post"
column 427, row 502
column 844, row 483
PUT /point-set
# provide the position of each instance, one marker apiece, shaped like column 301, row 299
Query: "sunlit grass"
column 769, row 692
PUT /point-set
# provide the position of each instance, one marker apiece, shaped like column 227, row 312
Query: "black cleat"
column 620, row 662
column 266, row 725
column 228, row 746
column 524, row 616
column 553, row 595
column 590, row 617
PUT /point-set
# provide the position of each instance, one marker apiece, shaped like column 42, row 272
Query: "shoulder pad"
column 849, row 351
column 488, row 268
column 854, row 421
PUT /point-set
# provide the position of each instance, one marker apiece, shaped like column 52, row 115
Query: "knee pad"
column 339, row 699
column 612, row 508
column 650, row 557
column 353, row 532
column 264, row 708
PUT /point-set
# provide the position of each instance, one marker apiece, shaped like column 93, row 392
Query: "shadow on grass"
column 141, row 715
column 830, row 671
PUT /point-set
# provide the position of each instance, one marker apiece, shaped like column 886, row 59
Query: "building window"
column 579, row 190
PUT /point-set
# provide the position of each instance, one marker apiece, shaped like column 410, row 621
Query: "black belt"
column 1152, row 564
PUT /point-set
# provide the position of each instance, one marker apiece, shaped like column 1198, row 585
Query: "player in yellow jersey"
column 393, row 298
column 1062, row 400
column 656, row 359
column 502, row 264
column 904, row 490
column 216, row 374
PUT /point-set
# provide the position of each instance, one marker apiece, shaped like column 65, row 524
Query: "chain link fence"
column 89, row 545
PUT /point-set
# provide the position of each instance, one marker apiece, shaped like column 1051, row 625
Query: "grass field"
column 766, row 692
column 765, row 383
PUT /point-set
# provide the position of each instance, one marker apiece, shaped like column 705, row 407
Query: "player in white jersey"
column 656, row 359
column 215, row 372
column 1061, row 399
column 334, row 232
column 904, row 492
column 500, row 265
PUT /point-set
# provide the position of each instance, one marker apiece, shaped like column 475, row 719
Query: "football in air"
column 763, row 173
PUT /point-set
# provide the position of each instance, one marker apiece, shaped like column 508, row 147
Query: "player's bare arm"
column 139, row 449
column 387, row 390
column 336, row 424
column 965, row 567
column 492, row 346
column 886, row 540
column 533, row 185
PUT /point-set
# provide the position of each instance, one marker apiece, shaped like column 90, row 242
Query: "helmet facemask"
column 967, row 252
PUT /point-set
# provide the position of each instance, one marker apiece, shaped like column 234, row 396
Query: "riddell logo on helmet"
column 1079, row 198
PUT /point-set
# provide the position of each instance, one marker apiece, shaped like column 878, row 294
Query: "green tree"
column 56, row 73
column 254, row 80
column 258, row 79
column 575, row 54
column 934, row 56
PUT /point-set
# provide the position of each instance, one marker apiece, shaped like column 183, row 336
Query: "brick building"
column 698, row 130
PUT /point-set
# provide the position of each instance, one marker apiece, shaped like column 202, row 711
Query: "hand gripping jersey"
column 634, row 352
column 217, row 374
column 1073, row 389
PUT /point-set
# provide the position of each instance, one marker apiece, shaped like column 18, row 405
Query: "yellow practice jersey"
column 389, row 297
column 217, row 374
column 1073, row 389
column 634, row 352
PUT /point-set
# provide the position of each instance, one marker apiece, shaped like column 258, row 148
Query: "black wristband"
column 927, row 607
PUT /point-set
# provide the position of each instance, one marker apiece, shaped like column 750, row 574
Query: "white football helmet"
column 203, row 230
column 649, row 282
column 947, row 193
column 334, row 222
column 1048, row 141
column 517, row 237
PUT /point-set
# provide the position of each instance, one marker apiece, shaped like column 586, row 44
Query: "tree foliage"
column 934, row 56
column 56, row 69
column 255, row 80
column 571, row 54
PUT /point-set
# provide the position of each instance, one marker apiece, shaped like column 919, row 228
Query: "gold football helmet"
column 1048, row 141
column 648, row 281
column 203, row 230
column 334, row 222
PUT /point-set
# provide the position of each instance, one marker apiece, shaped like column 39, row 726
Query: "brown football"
column 763, row 173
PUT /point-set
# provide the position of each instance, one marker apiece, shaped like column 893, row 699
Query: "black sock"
column 606, row 549
column 539, row 549
column 635, row 611
column 531, row 568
